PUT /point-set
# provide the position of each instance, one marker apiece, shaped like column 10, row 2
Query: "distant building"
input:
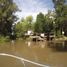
column 29, row 32
column 42, row 35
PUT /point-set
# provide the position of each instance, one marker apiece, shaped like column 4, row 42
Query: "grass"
column 4, row 39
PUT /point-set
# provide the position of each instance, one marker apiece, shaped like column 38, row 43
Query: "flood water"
column 40, row 54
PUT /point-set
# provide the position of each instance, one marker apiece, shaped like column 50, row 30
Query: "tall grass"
column 4, row 39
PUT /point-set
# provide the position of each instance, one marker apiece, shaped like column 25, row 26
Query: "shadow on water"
column 58, row 46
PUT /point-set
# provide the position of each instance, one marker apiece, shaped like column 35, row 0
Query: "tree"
column 61, row 15
column 48, row 28
column 7, row 16
column 39, row 23
column 29, row 19
column 65, row 20
column 22, row 27
column 19, row 29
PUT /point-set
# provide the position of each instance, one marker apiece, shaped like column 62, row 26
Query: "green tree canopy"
column 23, row 26
column 40, row 20
column 7, row 16
column 61, row 14
column 29, row 19
column 48, row 27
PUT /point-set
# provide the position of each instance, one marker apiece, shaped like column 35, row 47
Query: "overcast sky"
column 33, row 7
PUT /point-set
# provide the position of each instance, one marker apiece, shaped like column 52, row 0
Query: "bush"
column 4, row 39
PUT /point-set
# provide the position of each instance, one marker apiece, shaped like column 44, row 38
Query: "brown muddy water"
column 33, row 54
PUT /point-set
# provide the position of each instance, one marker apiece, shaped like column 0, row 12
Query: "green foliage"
column 7, row 17
column 61, row 15
column 48, row 25
column 43, row 24
column 40, row 21
column 18, row 29
column 22, row 27
column 29, row 20
column 4, row 39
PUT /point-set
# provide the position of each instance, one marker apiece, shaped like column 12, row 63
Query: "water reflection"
column 48, row 53
column 12, row 45
column 58, row 46
column 36, row 44
column 29, row 43
column 42, row 46
column 13, row 41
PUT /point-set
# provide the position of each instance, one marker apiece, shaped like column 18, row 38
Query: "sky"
column 33, row 7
